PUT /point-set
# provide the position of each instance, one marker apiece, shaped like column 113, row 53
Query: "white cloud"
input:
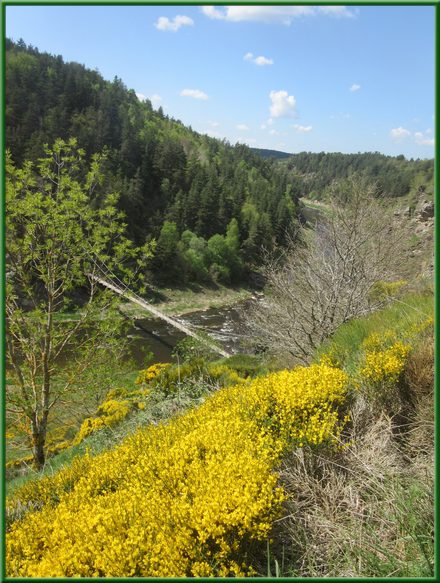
column 212, row 12
column 274, row 133
column 243, row 140
column 399, row 133
column 258, row 60
column 165, row 23
column 338, row 11
column 213, row 124
column 214, row 134
column 194, row 93
column 242, row 127
column 273, row 14
column 303, row 129
column 283, row 105
column 355, row 87
column 155, row 99
column 420, row 138
column 423, row 140
column 263, row 61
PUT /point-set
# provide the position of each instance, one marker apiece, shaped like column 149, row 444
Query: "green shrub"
column 247, row 365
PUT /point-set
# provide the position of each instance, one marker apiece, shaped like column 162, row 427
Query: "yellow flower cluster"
column 168, row 378
column 384, row 364
column 330, row 359
column 299, row 405
column 147, row 375
column 383, row 290
column 376, row 342
column 18, row 462
column 223, row 374
column 109, row 413
column 185, row 498
column 46, row 491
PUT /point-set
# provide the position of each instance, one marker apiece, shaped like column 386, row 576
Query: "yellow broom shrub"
column 185, row 498
column 384, row 358
column 109, row 413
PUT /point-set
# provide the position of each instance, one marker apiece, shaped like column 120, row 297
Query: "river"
column 160, row 338
column 223, row 324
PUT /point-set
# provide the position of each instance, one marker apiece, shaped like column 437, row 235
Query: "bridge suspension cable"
column 120, row 288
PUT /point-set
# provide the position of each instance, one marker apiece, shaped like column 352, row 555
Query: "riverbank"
column 178, row 302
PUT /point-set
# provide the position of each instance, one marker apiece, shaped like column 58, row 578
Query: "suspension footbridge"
column 118, row 287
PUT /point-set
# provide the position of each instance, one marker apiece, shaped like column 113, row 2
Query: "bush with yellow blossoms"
column 381, row 372
column 150, row 373
column 384, row 358
column 189, row 497
column 109, row 413
column 385, row 366
column 387, row 290
column 194, row 377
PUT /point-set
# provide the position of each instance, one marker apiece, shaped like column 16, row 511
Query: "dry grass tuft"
column 419, row 370
column 357, row 512
column 419, row 377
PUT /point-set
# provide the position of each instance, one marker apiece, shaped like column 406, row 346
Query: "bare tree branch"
column 328, row 278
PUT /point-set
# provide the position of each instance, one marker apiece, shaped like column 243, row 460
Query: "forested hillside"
column 314, row 173
column 276, row 154
column 210, row 206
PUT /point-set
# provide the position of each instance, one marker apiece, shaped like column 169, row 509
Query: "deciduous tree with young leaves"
column 56, row 242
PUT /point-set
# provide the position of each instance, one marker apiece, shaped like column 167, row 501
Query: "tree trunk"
column 39, row 424
column 39, row 428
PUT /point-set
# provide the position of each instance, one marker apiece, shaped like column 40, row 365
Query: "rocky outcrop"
column 426, row 211
column 416, row 223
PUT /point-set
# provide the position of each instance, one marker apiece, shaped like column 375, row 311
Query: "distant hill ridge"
column 395, row 176
column 276, row 154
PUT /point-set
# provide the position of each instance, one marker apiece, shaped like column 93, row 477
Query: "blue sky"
column 291, row 78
